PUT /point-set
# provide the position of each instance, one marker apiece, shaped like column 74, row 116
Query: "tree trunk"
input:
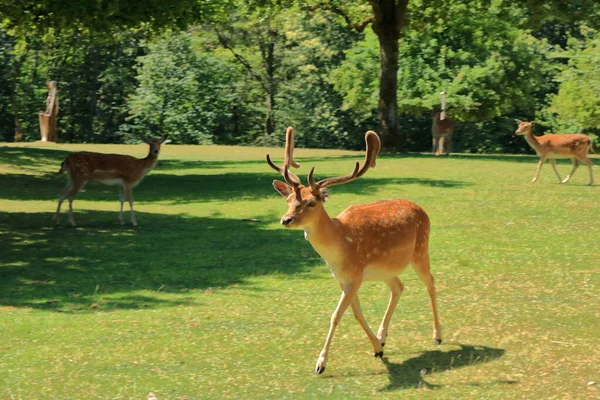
column 270, row 103
column 49, row 117
column 389, row 17
column 14, row 98
column 388, row 99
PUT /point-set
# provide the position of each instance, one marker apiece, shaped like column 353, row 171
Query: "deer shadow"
column 411, row 373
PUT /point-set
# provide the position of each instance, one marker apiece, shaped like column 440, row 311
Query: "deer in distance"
column 574, row 146
column 369, row 242
column 442, row 129
column 110, row 169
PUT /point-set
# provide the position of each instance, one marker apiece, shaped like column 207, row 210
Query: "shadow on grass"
column 188, row 188
column 520, row 158
column 31, row 158
column 411, row 373
column 101, row 263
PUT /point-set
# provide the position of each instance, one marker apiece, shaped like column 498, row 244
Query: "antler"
column 291, row 178
column 373, row 146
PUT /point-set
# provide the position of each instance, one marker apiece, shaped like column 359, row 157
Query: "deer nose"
column 285, row 221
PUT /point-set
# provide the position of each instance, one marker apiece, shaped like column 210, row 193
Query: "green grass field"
column 211, row 299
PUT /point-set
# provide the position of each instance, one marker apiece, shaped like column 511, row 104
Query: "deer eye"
column 312, row 204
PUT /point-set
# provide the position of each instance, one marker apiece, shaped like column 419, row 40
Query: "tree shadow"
column 411, row 373
column 30, row 158
column 72, row 269
column 519, row 158
column 189, row 188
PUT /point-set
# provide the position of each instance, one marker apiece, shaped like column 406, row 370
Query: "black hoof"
column 437, row 341
column 379, row 354
column 319, row 370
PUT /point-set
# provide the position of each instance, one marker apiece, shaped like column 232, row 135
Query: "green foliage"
column 252, row 68
column 180, row 93
column 102, row 16
column 577, row 104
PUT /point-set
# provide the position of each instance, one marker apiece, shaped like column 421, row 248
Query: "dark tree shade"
column 102, row 15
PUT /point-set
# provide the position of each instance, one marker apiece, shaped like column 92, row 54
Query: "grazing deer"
column 370, row 242
column 110, row 169
column 574, row 146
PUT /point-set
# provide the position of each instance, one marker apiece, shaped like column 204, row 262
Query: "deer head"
column 305, row 202
column 155, row 144
column 524, row 127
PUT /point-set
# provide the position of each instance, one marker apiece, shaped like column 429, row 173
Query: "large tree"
column 388, row 18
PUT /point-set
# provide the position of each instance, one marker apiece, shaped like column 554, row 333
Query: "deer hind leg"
column 422, row 267
column 539, row 167
column 396, row 288
column 122, row 200
column 61, row 198
column 358, row 315
column 589, row 163
column 434, row 145
column 553, row 163
column 129, row 196
column 575, row 166
column 75, row 188
column 349, row 291
column 449, row 143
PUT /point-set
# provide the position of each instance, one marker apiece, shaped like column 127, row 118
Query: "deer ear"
column 532, row 123
column 283, row 188
column 324, row 194
column 518, row 121
column 163, row 138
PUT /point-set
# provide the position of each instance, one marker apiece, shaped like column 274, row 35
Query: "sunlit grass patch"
column 210, row 298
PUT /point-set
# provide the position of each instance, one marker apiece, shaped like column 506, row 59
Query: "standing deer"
column 110, row 169
column 442, row 129
column 574, row 146
column 370, row 242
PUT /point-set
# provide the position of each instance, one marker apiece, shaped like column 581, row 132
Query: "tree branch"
column 359, row 27
column 241, row 59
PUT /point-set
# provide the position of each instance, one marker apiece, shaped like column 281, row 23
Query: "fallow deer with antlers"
column 574, row 146
column 370, row 242
column 110, row 169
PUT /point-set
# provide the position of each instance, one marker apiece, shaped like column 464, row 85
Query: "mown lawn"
column 210, row 299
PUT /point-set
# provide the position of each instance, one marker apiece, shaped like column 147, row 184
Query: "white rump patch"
column 111, row 182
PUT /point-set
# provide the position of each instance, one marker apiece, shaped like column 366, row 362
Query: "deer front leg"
column 349, row 291
column 539, row 167
column 396, row 288
column 440, row 149
column 553, row 163
column 129, row 196
column 358, row 315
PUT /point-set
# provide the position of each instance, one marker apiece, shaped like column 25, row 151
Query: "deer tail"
column 591, row 145
column 64, row 166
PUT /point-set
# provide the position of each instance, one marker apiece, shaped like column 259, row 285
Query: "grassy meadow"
column 211, row 299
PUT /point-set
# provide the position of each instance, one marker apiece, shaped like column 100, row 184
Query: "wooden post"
column 48, row 118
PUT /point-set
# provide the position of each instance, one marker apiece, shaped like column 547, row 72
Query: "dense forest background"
column 242, row 72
